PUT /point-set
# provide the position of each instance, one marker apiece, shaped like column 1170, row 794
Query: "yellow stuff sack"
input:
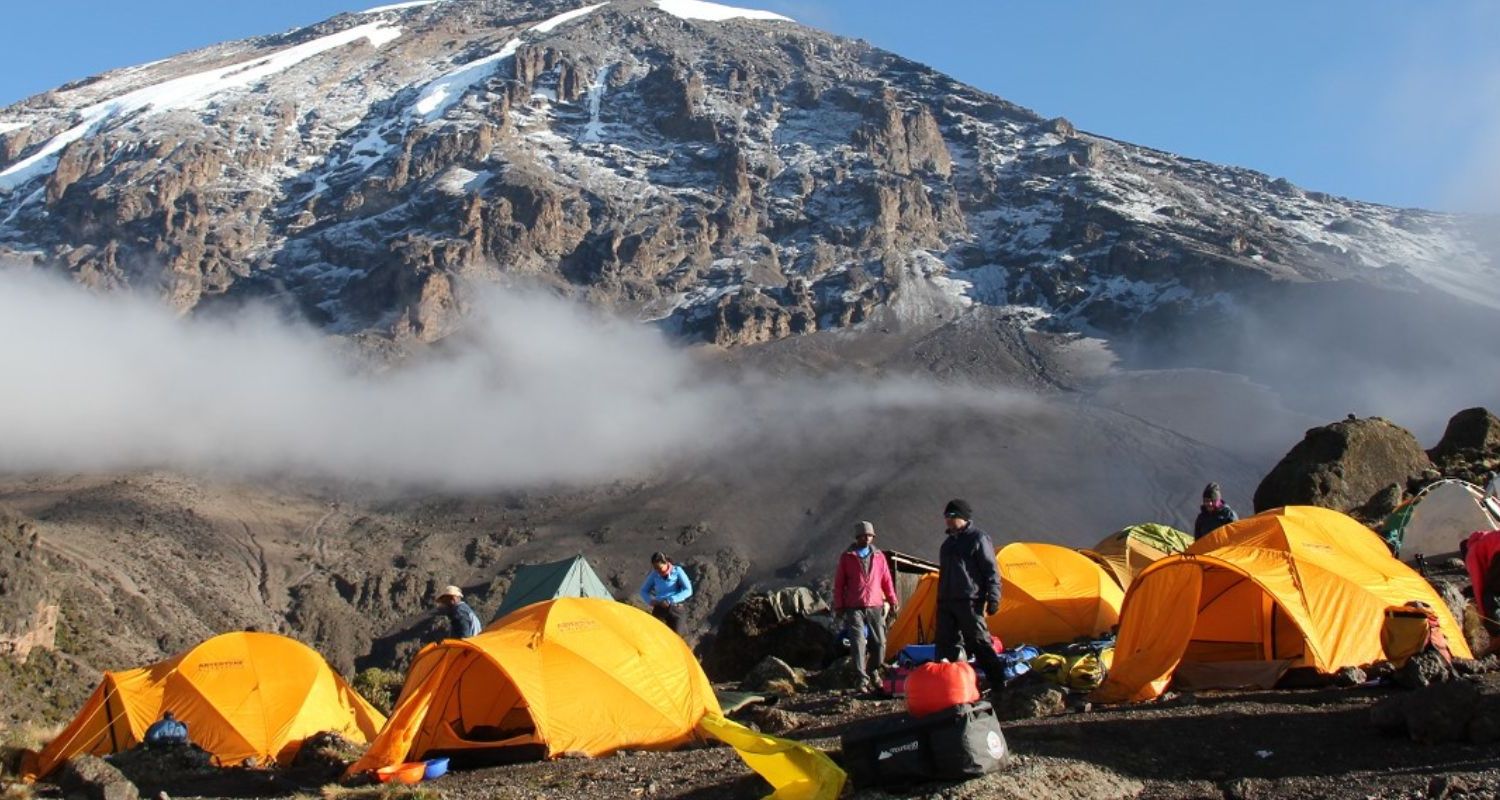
column 1087, row 672
column 1084, row 672
column 1408, row 630
column 1051, row 666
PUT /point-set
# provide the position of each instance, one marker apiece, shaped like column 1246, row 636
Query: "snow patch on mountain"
column 7, row 127
column 564, row 18
column 188, row 91
column 436, row 98
column 399, row 6
column 714, row 12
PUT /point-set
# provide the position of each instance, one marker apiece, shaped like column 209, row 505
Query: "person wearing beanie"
column 666, row 588
column 968, row 592
column 1213, row 512
column 863, row 593
column 462, row 621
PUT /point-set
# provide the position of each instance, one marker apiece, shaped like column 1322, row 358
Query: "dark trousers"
column 671, row 615
column 961, row 629
column 869, row 654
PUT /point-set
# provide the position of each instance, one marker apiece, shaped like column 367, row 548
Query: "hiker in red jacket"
column 1479, row 552
column 863, row 594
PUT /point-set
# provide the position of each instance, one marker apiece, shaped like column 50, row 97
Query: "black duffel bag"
column 962, row 742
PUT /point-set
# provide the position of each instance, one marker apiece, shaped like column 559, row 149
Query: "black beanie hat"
column 1211, row 492
column 958, row 508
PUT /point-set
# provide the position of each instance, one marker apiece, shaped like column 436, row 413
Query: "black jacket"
column 968, row 570
column 1210, row 521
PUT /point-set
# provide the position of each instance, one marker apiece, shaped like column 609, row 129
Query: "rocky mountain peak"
column 730, row 174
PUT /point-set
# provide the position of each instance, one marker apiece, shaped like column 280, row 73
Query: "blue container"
column 436, row 768
column 914, row 654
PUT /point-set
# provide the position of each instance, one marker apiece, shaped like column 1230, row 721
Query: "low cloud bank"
column 534, row 391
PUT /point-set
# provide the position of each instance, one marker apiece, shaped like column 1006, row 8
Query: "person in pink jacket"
column 863, row 593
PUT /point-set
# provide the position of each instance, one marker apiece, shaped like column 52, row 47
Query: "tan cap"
column 864, row 527
column 453, row 592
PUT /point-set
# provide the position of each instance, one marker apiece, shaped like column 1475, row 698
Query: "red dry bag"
column 940, row 685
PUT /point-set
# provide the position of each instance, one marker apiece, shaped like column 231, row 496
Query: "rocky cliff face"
column 735, row 177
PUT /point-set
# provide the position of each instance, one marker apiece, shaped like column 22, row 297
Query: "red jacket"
column 852, row 588
column 1483, row 546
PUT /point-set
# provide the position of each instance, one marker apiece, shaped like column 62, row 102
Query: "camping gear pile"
column 946, row 734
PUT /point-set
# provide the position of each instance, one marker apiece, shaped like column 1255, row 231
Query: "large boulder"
column 1445, row 712
column 92, row 778
column 1341, row 466
column 163, row 766
column 1470, row 448
column 792, row 625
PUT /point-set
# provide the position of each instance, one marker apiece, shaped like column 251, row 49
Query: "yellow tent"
column 1048, row 594
column 575, row 675
column 1291, row 587
column 1125, row 553
column 243, row 696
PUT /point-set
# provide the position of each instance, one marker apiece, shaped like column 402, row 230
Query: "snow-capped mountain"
column 732, row 174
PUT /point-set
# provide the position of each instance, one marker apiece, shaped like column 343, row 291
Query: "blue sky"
column 1395, row 102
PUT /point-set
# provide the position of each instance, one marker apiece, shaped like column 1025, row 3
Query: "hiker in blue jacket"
column 167, row 732
column 462, row 621
column 665, row 590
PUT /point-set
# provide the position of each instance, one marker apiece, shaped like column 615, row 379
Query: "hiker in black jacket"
column 968, row 591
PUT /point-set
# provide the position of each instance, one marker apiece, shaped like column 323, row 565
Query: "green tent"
column 571, row 577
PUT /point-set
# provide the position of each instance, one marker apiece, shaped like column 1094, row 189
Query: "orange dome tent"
column 572, row 675
column 243, row 696
column 1048, row 594
column 1290, row 587
column 582, row 676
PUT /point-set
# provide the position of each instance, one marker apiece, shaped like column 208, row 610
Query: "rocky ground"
column 1256, row 744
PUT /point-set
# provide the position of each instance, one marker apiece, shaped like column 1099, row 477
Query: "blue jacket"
column 167, row 731
column 463, row 621
column 675, row 588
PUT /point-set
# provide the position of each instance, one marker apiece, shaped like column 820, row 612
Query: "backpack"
column 1411, row 629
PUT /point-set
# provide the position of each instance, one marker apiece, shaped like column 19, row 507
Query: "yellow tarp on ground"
column 1299, row 584
column 1125, row 553
column 1048, row 594
column 795, row 770
column 243, row 696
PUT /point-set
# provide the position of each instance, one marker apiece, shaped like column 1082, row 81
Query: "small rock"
column 1476, row 666
column 1032, row 700
column 774, row 720
column 1349, row 676
column 770, row 670
column 1426, row 668
column 841, row 675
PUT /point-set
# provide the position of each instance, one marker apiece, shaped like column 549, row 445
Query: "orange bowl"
column 402, row 773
